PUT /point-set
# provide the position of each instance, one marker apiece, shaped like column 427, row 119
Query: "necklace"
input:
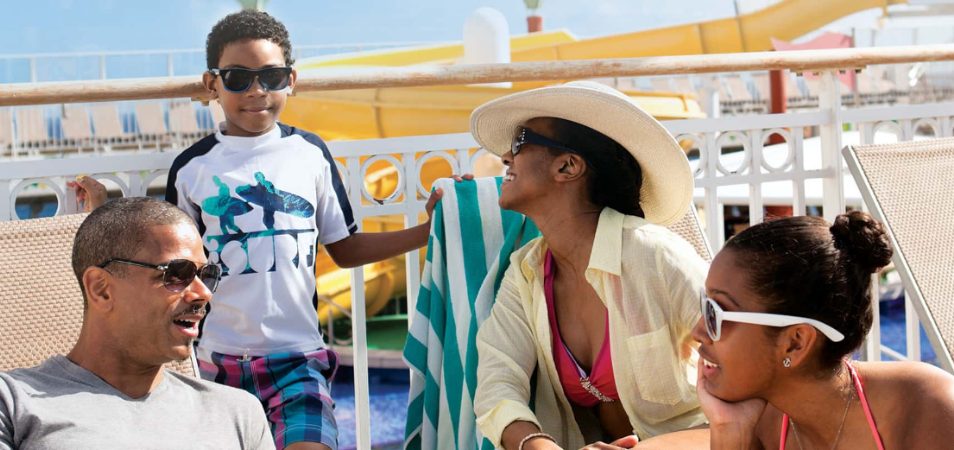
column 834, row 444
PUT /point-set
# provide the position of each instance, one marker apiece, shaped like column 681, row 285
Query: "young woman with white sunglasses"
column 786, row 303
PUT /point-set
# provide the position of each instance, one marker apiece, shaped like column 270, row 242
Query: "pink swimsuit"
column 581, row 389
column 856, row 379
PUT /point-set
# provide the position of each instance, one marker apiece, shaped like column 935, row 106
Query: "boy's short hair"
column 246, row 24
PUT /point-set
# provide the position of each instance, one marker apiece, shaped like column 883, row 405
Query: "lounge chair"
column 6, row 132
column 77, row 132
column 108, row 128
column 31, row 136
column 910, row 186
column 152, row 124
column 458, row 288
column 183, row 124
column 42, row 305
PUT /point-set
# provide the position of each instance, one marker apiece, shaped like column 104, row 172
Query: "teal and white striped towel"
column 467, row 254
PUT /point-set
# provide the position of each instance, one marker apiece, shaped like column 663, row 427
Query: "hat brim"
column 667, row 186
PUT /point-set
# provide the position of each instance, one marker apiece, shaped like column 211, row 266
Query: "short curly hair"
column 246, row 24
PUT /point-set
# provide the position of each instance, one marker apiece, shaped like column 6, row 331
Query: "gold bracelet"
column 530, row 436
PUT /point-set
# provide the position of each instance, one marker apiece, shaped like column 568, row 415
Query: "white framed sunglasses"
column 713, row 315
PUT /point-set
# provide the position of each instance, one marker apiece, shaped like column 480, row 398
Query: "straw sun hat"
column 667, row 181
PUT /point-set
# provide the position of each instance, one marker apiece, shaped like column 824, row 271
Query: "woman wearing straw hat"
column 589, row 339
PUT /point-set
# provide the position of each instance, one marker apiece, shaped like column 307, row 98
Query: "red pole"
column 778, row 101
column 534, row 24
column 777, row 90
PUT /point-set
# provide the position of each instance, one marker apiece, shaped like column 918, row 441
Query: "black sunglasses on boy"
column 240, row 80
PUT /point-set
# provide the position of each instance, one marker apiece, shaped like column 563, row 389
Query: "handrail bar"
column 366, row 78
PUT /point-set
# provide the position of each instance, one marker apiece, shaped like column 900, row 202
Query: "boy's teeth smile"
column 709, row 364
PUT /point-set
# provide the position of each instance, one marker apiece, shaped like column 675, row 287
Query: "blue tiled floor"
column 389, row 388
column 388, row 407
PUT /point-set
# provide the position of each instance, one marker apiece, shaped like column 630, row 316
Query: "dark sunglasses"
column 178, row 273
column 240, row 80
column 526, row 136
column 713, row 315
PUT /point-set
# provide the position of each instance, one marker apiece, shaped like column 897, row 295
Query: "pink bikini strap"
column 864, row 405
column 783, row 436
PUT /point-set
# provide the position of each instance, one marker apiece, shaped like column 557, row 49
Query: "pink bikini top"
column 581, row 389
column 856, row 379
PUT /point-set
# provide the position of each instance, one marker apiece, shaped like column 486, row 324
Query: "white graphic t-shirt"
column 262, row 205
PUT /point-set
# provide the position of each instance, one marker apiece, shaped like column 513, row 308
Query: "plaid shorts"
column 293, row 388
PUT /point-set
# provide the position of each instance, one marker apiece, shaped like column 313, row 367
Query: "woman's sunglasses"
column 240, row 80
column 178, row 273
column 526, row 136
column 713, row 316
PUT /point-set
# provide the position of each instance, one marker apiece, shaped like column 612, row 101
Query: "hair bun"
column 863, row 239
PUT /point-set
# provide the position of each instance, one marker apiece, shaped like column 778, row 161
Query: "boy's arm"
column 364, row 248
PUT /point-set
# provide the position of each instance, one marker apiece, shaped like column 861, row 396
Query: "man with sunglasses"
column 145, row 283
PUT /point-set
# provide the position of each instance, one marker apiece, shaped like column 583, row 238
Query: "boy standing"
column 264, row 194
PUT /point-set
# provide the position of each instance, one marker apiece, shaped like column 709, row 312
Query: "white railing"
column 811, row 166
column 733, row 153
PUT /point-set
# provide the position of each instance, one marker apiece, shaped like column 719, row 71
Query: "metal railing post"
column 6, row 206
column 359, row 330
column 833, row 184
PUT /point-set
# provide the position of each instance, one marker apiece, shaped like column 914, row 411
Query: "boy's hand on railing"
column 90, row 194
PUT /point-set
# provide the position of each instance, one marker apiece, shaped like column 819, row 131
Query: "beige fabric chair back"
column 736, row 88
column 75, row 122
column 182, row 118
column 6, row 128
column 31, row 126
column 149, row 118
column 106, row 121
column 689, row 229
column 910, row 187
column 42, row 310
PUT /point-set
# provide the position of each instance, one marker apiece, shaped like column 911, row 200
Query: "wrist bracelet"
column 530, row 436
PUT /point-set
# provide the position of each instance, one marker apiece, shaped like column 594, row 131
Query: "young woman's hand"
column 731, row 424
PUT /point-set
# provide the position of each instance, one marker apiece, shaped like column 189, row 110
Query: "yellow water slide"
column 390, row 112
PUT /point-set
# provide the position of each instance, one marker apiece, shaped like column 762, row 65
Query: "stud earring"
column 787, row 362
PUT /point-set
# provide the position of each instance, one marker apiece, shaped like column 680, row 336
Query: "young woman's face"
column 742, row 363
column 527, row 179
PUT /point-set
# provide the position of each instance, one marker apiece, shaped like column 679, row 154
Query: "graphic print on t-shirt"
column 265, row 196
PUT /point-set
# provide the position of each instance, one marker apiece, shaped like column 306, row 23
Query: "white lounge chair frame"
column 909, row 187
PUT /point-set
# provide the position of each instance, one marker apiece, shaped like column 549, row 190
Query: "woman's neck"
column 570, row 235
column 819, row 407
